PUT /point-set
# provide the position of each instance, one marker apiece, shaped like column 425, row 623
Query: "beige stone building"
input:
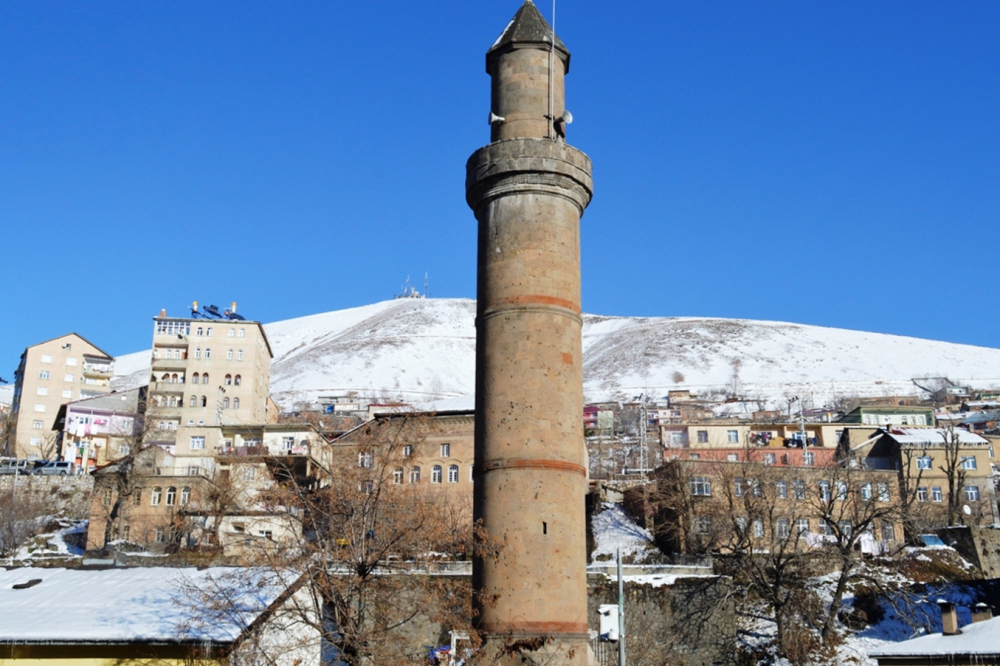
column 51, row 373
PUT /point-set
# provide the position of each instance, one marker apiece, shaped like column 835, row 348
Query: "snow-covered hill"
column 424, row 350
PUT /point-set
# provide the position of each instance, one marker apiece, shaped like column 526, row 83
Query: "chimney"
column 232, row 308
column 982, row 612
column 163, row 312
column 949, row 618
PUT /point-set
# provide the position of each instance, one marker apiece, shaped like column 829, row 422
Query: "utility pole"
column 621, row 610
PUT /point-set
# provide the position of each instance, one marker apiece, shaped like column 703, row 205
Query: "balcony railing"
column 94, row 370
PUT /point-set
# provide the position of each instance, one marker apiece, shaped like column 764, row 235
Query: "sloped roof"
column 528, row 29
column 978, row 638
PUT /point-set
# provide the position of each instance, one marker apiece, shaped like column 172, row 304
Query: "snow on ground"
column 422, row 350
column 614, row 529
column 60, row 543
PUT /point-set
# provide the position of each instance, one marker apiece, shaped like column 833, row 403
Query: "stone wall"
column 979, row 545
column 69, row 496
column 691, row 622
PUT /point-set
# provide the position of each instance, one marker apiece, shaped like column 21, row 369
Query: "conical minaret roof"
column 528, row 29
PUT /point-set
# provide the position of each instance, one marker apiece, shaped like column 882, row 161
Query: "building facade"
column 51, row 373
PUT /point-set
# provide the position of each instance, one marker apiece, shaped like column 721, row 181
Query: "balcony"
column 167, row 387
column 101, row 371
column 169, row 363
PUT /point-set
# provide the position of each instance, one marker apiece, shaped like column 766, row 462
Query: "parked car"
column 55, row 468
column 16, row 467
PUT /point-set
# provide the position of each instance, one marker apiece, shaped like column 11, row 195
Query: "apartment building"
column 890, row 415
column 768, row 443
column 50, row 373
column 207, row 371
column 97, row 430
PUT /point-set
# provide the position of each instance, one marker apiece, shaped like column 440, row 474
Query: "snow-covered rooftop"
column 978, row 638
column 935, row 436
column 117, row 605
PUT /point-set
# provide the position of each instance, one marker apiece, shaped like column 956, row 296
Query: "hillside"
column 424, row 350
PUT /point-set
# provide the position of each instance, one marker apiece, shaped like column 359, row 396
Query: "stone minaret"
column 528, row 189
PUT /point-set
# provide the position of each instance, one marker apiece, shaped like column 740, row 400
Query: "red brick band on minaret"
column 523, row 463
column 533, row 299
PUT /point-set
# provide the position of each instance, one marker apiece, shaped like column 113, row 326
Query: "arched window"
column 239, row 354
column 195, row 378
column 209, row 331
column 453, row 474
column 163, row 426
column 173, row 378
column 237, row 380
column 204, row 378
column 208, row 353
column 229, row 354
column 236, row 403
column 194, row 401
column 165, row 377
column 232, row 332
column 154, row 497
column 200, row 331
column 171, row 496
column 229, row 380
column 415, row 474
column 436, row 474
column 242, row 333
column 185, row 495
column 397, row 475
column 197, row 352
column 225, row 403
column 173, row 401
column 204, row 401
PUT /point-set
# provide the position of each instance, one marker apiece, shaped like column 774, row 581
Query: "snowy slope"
column 424, row 350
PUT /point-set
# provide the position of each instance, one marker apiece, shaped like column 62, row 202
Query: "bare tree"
column 21, row 518
column 8, row 431
column 954, row 472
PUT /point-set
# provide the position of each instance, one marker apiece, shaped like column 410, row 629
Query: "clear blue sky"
column 825, row 163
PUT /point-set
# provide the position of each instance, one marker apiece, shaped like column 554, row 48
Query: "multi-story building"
column 771, row 443
column 97, row 430
column 50, row 373
column 890, row 415
column 207, row 372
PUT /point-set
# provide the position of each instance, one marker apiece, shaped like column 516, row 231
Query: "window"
column 845, row 528
column 799, row 489
column 137, row 497
column 801, row 525
column 968, row 462
column 695, row 456
column 755, row 488
column 193, row 470
column 733, row 457
column 204, row 401
column 883, row 492
column 208, row 331
column 237, row 380
column 46, row 358
column 408, row 450
column 228, row 380
column 703, row 525
column 197, row 442
column 249, row 473
column 200, row 331
column 733, row 436
column 415, row 474
column 37, row 425
column 971, row 493
column 446, row 450
column 702, row 436
column 42, row 390
column 208, row 353
column 194, row 401
column 194, row 378
column 769, row 459
column 808, row 458
column 69, row 377
column 436, row 474
column 236, row 403
column 204, row 378
column 39, row 407
column 866, row 490
column 936, row 493
column 229, row 354
column 738, row 486
column 70, row 361
column 239, row 354
column 232, row 332
column 185, row 495
column 452, row 473
column 701, row 485
column 242, row 333
column 225, row 403
column 365, row 459
column 286, row 442
column 922, row 494
column 171, row 496
column 397, row 475
column 197, row 352
column 781, row 528
column 124, row 449
column 44, row 374
column 154, row 497
column 758, row 528
column 888, row 532
column 741, row 525
column 67, row 393
column 824, row 491
column 923, row 462
column 35, row 441
column 160, row 535
column 781, row 489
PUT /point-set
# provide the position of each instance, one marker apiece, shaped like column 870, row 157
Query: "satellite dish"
column 494, row 118
column 966, row 510
column 567, row 117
